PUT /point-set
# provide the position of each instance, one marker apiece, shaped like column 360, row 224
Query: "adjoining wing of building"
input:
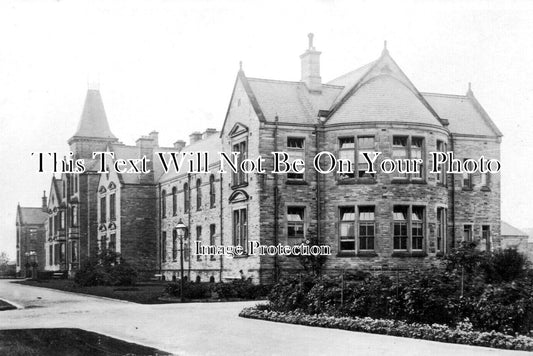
column 384, row 221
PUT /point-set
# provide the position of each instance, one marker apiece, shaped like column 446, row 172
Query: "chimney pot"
column 179, row 144
column 208, row 132
column 311, row 67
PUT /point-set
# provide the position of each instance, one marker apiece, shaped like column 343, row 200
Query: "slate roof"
column 211, row 144
column 462, row 113
column 509, row 230
column 375, row 100
column 291, row 101
column 33, row 216
column 383, row 98
column 93, row 122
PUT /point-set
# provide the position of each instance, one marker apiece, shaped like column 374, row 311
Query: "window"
column 74, row 215
column 400, row 227
column 198, row 239
column 441, row 176
column 174, row 201
column 417, row 146
column 112, row 206
column 347, row 228
column 409, row 228
column 240, row 227
column 406, row 147
column 163, row 203
column 198, row 194
column 50, row 255
column 441, row 230
column 417, row 228
column 212, row 195
column 364, row 144
column 467, row 233
column 399, row 151
column 74, row 251
column 62, row 219
column 467, row 179
column 346, row 153
column 50, row 226
column 113, row 242
column 366, row 228
column 212, row 229
column 485, row 181
column 295, row 224
column 164, row 246
column 174, row 245
column 296, row 150
column 103, row 243
column 186, row 197
column 485, row 234
column 102, row 210
column 62, row 252
column 239, row 177
column 56, row 254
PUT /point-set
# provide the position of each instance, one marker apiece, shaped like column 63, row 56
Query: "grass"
column 143, row 292
column 63, row 342
column 6, row 306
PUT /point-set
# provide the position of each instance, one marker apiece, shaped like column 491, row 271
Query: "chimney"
column 195, row 137
column 44, row 206
column 179, row 144
column 311, row 67
column 154, row 135
column 208, row 132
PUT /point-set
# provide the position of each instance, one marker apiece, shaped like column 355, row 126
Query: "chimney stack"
column 154, row 135
column 208, row 132
column 179, row 145
column 44, row 206
column 311, row 67
column 195, row 137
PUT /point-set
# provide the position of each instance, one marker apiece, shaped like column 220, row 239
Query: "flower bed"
column 461, row 334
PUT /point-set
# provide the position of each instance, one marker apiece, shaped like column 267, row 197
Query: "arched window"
column 174, row 245
column 198, row 194
column 186, row 199
column 212, row 196
column 174, row 201
column 163, row 203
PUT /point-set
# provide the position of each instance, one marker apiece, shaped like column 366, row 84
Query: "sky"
column 170, row 66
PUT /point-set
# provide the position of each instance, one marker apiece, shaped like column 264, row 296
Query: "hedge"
column 461, row 334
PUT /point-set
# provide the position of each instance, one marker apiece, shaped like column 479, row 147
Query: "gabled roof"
column 464, row 114
column 509, row 230
column 31, row 216
column 93, row 122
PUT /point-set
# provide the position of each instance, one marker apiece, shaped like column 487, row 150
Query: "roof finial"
column 469, row 91
column 240, row 66
column 310, row 37
column 385, row 50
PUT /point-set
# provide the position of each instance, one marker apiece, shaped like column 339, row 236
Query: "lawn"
column 143, row 292
column 6, row 306
column 63, row 342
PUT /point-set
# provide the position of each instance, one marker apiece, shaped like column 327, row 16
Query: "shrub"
column 108, row 269
column 461, row 334
column 505, row 266
column 190, row 290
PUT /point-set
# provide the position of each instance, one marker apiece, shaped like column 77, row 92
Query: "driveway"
column 203, row 328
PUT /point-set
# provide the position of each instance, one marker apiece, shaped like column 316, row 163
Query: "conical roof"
column 93, row 122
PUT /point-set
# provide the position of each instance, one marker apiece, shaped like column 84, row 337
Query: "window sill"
column 409, row 254
column 407, row 181
column 467, row 189
column 367, row 254
column 346, row 254
column 295, row 182
column 353, row 181
column 241, row 185
column 346, row 181
column 485, row 189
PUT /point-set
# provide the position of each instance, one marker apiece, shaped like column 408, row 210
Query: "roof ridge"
column 445, row 95
column 275, row 80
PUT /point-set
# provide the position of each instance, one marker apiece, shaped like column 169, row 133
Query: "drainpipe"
column 453, row 194
column 276, row 212
column 189, row 226
column 221, row 229
column 317, row 177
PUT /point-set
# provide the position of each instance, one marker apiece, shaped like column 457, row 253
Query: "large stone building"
column 384, row 221
column 369, row 220
column 30, row 235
